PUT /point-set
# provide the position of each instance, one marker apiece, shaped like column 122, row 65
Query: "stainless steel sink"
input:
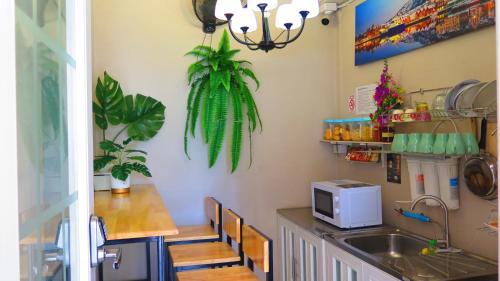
column 392, row 245
column 398, row 253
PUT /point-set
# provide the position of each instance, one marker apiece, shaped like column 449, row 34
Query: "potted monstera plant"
column 133, row 118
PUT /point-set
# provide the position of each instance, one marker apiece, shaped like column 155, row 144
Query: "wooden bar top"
column 140, row 213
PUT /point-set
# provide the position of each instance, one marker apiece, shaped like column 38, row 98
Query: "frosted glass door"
column 45, row 74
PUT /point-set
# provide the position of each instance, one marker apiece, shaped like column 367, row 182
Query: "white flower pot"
column 102, row 181
column 119, row 186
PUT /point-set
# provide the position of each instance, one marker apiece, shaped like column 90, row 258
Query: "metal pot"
column 480, row 172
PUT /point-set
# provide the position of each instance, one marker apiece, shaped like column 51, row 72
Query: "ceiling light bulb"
column 224, row 7
column 244, row 18
column 311, row 6
column 271, row 4
column 288, row 15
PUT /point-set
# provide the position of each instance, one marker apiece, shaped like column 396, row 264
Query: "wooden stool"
column 211, row 254
column 201, row 233
column 259, row 251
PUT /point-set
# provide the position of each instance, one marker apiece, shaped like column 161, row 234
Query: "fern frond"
column 220, row 127
column 237, row 129
column 248, row 73
column 201, row 90
column 250, row 107
column 250, row 100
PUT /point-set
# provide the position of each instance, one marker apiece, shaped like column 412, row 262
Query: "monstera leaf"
column 110, row 102
column 144, row 115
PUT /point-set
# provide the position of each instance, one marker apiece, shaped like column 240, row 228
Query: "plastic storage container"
column 338, row 125
column 355, row 128
column 366, row 128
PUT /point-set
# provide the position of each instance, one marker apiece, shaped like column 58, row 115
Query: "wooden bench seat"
column 202, row 254
column 193, row 232
column 236, row 273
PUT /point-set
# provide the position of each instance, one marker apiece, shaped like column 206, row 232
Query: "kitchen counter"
column 439, row 267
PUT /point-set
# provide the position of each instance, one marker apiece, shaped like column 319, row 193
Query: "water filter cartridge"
column 416, row 178
column 431, row 181
column 448, row 182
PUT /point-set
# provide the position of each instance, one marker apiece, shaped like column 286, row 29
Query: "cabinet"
column 342, row 266
column 301, row 253
column 371, row 273
column 306, row 257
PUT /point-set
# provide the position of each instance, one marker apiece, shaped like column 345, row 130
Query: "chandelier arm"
column 283, row 45
column 248, row 39
column 279, row 35
column 253, row 48
column 288, row 41
column 238, row 39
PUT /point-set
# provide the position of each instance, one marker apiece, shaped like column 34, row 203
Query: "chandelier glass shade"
column 242, row 20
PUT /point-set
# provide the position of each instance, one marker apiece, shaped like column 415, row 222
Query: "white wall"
column 440, row 65
column 142, row 44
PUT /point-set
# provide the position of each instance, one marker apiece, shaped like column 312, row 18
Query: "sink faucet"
column 446, row 234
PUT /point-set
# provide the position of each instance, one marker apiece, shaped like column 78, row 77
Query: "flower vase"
column 119, row 186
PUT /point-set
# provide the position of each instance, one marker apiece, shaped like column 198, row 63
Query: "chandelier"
column 242, row 20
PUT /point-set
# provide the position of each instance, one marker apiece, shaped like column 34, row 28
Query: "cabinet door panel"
column 371, row 273
column 287, row 242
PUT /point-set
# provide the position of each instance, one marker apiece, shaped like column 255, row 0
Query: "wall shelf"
column 357, row 142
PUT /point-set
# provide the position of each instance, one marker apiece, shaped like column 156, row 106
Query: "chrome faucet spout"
column 446, row 234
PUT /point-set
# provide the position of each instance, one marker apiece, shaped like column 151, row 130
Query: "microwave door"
column 323, row 202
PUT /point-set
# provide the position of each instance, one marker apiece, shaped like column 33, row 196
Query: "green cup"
column 426, row 143
column 413, row 141
column 440, row 144
column 471, row 145
column 400, row 143
column 455, row 145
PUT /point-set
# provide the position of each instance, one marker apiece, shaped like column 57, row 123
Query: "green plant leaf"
column 144, row 115
column 138, row 158
column 222, row 82
column 122, row 171
column 219, row 128
column 140, row 168
column 201, row 92
column 237, row 130
column 196, row 68
column 110, row 146
column 127, row 141
column 101, row 161
column 248, row 73
column 224, row 44
column 136, row 151
column 215, row 80
column 226, row 79
column 109, row 106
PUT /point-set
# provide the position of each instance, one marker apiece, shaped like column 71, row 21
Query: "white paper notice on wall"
column 364, row 99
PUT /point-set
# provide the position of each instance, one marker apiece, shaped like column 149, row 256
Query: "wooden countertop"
column 141, row 213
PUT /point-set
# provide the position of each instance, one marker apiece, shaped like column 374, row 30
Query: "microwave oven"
column 347, row 203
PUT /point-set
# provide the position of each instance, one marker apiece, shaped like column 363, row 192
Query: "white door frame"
column 81, row 130
column 9, row 256
column 84, row 133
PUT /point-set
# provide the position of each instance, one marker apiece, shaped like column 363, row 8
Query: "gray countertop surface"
column 441, row 266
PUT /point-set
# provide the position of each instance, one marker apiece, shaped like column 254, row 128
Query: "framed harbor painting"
column 388, row 28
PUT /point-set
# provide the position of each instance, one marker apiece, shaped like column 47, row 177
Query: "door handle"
column 98, row 238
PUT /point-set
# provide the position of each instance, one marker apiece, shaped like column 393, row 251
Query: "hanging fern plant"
column 218, row 82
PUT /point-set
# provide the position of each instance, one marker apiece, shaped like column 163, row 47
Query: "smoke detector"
column 328, row 7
